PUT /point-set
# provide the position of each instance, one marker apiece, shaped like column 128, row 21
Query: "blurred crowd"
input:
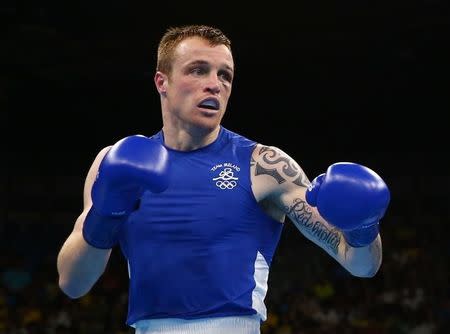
column 309, row 293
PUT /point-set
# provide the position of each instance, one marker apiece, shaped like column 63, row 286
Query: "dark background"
column 326, row 82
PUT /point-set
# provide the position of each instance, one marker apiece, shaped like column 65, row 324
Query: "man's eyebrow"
column 198, row 62
column 204, row 62
column 229, row 68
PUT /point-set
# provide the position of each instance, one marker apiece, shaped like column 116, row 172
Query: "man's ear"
column 161, row 82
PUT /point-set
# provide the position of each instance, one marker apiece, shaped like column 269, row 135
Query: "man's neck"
column 188, row 140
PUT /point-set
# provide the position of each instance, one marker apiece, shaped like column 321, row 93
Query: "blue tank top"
column 203, row 247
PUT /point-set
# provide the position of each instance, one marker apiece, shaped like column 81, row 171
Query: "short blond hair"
column 175, row 35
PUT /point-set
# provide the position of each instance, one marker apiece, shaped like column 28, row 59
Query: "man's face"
column 198, row 89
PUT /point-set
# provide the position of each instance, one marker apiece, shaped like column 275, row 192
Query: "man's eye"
column 226, row 76
column 198, row 70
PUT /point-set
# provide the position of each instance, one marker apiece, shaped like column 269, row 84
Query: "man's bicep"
column 90, row 178
column 273, row 172
column 279, row 166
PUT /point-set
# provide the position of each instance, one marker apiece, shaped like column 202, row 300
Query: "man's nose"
column 213, row 84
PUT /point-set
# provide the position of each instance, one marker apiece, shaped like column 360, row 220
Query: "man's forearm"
column 80, row 265
column 363, row 261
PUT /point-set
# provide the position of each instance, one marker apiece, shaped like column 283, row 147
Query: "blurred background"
column 326, row 82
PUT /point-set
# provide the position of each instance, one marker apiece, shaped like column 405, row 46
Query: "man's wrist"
column 362, row 236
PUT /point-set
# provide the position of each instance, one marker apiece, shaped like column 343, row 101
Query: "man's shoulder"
column 274, row 157
column 239, row 139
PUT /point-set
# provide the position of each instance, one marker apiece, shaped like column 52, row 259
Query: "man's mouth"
column 210, row 103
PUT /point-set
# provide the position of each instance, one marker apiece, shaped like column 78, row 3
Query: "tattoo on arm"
column 282, row 169
column 302, row 217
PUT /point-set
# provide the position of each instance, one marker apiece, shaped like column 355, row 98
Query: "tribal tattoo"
column 281, row 168
column 301, row 215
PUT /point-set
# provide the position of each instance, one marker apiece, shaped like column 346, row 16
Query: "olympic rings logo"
column 226, row 184
column 226, row 179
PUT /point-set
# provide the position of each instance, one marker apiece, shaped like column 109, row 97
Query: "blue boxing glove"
column 351, row 197
column 132, row 165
